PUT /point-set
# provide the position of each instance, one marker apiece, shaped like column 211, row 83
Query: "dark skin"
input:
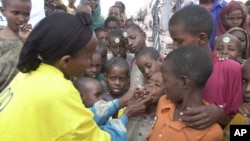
column 134, row 106
column 245, row 107
column 201, row 116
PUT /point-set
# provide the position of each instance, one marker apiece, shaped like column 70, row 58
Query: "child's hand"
column 133, row 93
column 24, row 31
column 203, row 116
column 223, row 57
column 244, row 109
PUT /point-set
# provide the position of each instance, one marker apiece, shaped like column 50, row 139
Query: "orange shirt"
column 167, row 129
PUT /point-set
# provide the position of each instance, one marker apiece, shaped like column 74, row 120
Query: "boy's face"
column 117, row 47
column 234, row 19
column 17, row 13
column 171, row 82
column 147, row 65
column 136, row 40
column 102, row 35
column 181, row 37
column 228, row 47
column 94, row 68
column 155, row 87
column 114, row 11
column 117, row 80
column 112, row 25
column 92, row 95
column 246, row 82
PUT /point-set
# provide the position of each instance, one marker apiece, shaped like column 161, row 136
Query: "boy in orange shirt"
column 185, row 73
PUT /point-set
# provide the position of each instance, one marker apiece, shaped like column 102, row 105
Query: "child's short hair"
column 82, row 83
column 111, row 19
column 100, row 29
column 115, row 33
column 113, row 6
column 152, row 52
column 5, row 2
column 195, row 20
column 117, row 61
column 191, row 61
column 61, row 7
column 134, row 27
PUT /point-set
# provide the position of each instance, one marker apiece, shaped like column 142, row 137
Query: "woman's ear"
column 64, row 62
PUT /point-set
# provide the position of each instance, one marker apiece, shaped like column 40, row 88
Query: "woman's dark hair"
column 54, row 37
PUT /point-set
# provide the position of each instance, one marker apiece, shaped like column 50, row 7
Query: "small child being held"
column 185, row 73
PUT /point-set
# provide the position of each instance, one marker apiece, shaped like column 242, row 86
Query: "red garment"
column 231, row 6
column 224, row 86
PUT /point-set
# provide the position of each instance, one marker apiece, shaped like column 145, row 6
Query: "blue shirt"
column 103, row 110
column 215, row 11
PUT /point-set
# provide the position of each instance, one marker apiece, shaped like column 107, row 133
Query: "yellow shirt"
column 44, row 106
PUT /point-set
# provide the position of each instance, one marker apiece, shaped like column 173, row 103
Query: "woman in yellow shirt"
column 41, row 103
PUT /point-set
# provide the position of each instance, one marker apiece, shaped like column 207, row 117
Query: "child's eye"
column 157, row 85
column 113, row 78
column 232, row 49
column 148, row 65
column 178, row 41
column 26, row 14
column 244, row 81
column 122, row 79
column 15, row 12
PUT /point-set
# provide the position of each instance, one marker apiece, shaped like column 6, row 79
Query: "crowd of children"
column 77, row 76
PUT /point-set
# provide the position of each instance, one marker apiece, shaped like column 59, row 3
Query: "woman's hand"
column 137, row 107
